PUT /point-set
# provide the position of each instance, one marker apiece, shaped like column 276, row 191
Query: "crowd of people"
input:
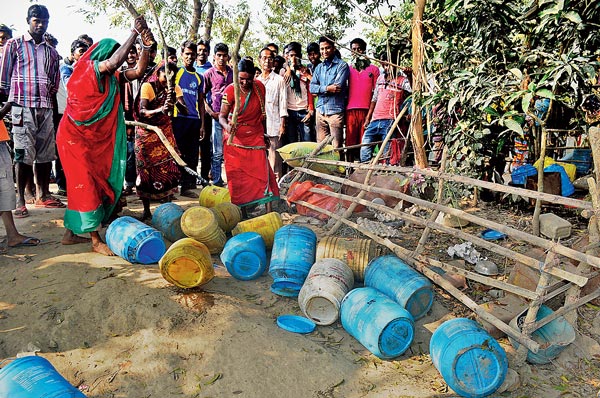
column 73, row 113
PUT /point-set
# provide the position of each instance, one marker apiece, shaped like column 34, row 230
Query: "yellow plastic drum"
column 355, row 252
column 228, row 215
column 265, row 225
column 187, row 264
column 201, row 224
column 211, row 195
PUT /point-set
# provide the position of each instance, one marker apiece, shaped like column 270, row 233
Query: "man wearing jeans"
column 330, row 84
column 216, row 80
column 391, row 90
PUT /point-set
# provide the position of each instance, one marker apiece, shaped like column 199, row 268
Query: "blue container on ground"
column 34, row 377
column 135, row 241
column 566, row 188
column 377, row 322
column 581, row 158
column 293, row 254
column 167, row 219
column 470, row 360
column 245, row 256
column 553, row 337
column 397, row 280
column 520, row 174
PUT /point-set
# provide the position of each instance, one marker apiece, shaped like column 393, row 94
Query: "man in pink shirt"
column 391, row 89
column 361, row 84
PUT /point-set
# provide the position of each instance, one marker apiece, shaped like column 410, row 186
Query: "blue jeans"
column 295, row 129
column 217, row 153
column 376, row 131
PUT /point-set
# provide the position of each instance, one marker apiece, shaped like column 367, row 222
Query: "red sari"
column 250, row 178
column 92, row 142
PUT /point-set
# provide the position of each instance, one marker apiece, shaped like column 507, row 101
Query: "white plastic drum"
column 326, row 285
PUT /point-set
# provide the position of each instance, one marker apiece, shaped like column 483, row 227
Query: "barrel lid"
column 490, row 234
column 295, row 323
column 286, row 288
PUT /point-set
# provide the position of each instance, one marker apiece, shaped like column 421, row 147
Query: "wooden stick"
column 127, row 4
column 538, row 202
column 236, row 80
column 594, row 137
column 528, row 261
column 556, row 199
column 361, row 194
column 314, row 152
column 566, row 309
column 558, row 248
column 440, row 198
column 405, row 255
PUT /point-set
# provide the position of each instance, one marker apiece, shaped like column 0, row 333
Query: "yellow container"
column 228, row 215
column 355, row 252
column 211, row 195
column 571, row 169
column 187, row 264
column 265, row 225
column 201, row 224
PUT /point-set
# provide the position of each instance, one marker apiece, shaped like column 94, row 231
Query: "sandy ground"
column 120, row 330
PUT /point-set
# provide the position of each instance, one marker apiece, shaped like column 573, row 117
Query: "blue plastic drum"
column 292, row 256
column 397, row 280
column 470, row 360
column 377, row 322
column 167, row 219
column 34, row 377
column 245, row 256
column 134, row 241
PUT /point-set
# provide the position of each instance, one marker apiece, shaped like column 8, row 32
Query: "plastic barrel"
column 187, row 264
column 328, row 281
column 471, row 361
column 377, row 322
column 355, row 252
column 291, row 258
column 211, row 195
column 245, row 256
column 34, row 377
column 201, row 224
column 266, row 225
column 135, row 241
column 228, row 215
column 167, row 219
column 553, row 337
column 397, row 280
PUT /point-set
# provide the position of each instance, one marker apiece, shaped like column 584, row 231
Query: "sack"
column 300, row 191
column 291, row 152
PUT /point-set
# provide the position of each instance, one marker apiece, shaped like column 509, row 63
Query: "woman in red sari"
column 91, row 138
column 250, row 179
column 157, row 173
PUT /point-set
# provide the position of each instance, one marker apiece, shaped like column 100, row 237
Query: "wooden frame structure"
column 571, row 282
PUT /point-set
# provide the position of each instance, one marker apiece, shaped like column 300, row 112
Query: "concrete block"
column 554, row 227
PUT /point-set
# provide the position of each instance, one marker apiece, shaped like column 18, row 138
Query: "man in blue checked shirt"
column 330, row 84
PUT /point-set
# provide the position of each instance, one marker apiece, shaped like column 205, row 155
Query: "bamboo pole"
column 528, row 261
column 538, row 202
column 236, row 81
column 460, row 296
column 315, row 151
column 440, row 198
column 594, row 137
column 566, row 309
column 361, row 194
column 556, row 199
column 558, row 248
column 419, row 79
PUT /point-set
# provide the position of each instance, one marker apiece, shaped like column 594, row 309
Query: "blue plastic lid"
column 295, row 323
column 490, row 234
column 286, row 288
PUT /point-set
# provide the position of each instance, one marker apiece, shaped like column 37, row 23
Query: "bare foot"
column 102, row 248
column 69, row 238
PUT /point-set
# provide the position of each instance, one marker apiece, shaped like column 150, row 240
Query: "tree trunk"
column 208, row 21
column 196, row 17
column 416, row 123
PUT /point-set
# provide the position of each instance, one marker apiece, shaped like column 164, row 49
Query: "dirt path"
column 120, row 330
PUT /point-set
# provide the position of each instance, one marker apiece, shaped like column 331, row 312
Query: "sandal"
column 27, row 242
column 21, row 212
column 50, row 203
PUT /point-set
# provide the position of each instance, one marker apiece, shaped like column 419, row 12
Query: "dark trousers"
column 206, row 148
column 187, row 136
column 130, row 171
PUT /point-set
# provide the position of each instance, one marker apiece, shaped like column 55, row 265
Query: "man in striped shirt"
column 29, row 72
